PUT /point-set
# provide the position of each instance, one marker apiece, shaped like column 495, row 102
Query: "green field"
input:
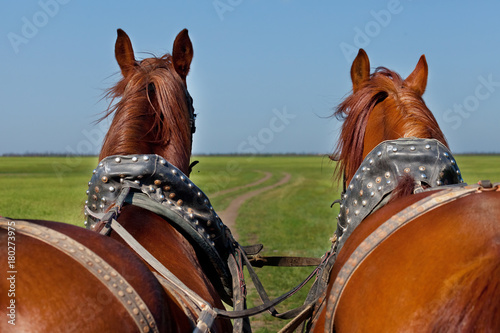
column 294, row 219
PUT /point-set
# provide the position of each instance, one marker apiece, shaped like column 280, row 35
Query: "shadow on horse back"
column 73, row 279
column 416, row 248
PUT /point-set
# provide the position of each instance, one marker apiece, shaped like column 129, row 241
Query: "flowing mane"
column 414, row 116
column 147, row 116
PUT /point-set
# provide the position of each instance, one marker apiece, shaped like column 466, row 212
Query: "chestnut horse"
column 440, row 270
column 49, row 290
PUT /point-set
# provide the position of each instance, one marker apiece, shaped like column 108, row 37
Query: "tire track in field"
column 229, row 215
column 267, row 175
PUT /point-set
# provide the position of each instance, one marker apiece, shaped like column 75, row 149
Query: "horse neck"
column 130, row 134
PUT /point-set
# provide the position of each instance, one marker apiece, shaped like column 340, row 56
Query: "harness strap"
column 97, row 266
column 366, row 247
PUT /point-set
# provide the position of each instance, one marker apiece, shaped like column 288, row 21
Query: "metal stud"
column 439, row 183
column 388, row 181
column 103, row 200
column 363, row 169
column 87, row 192
column 104, row 179
column 162, row 197
column 427, row 146
column 111, row 189
column 458, row 172
column 94, row 171
column 356, row 213
column 452, row 162
column 355, row 203
column 370, row 161
column 361, row 193
column 90, row 183
column 85, row 222
column 137, row 182
column 387, row 175
column 357, row 177
column 162, row 162
column 395, row 149
column 101, row 164
column 151, row 188
column 406, row 170
column 171, row 195
column 372, row 194
column 379, row 188
column 421, row 168
column 157, row 182
column 363, row 203
column 199, row 194
column 179, row 202
column 378, row 180
column 351, row 186
column 412, row 148
column 174, row 171
column 145, row 158
column 445, row 154
column 369, row 185
column 134, row 159
column 118, row 160
column 424, row 176
column 182, row 177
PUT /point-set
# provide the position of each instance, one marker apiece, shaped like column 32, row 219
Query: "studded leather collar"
column 428, row 161
column 168, row 192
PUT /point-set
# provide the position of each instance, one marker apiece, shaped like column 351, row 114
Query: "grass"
column 294, row 219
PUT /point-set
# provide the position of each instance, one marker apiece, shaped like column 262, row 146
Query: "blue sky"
column 265, row 77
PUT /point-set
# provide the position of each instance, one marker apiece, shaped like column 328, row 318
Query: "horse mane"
column 153, row 93
column 356, row 108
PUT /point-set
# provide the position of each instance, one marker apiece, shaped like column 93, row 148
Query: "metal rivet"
column 363, row 203
column 358, row 176
column 145, row 158
column 379, row 153
column 166, row 188
column 134, row 159
column 94, row 171
column 388, row 181
column 151, row 188
column 421, row 168
column 439, row 183
column 379, row 188
column 363, row 169
column 90, row 183
column 157, row 182
column 372, row 194
column 356, row 213
column 104, row 179
column 179, row 202
column 453, row 162
column 199, row 194
column 355, row 203
column 182, row 177
column 162, row 162
column 412, row 148
column 427, row 146
column 94, row 197
column 103, row 200
column 369, row 185
column 162, row 196
column 111, row 189
column 85, row 222
column 174, row 171
column 351, row 186
column 445, row 154
column 424, row 176
column 87, row 192
column 458, row 172
column 407, row 170
column 370, row 161
column 118, row 160
column 394, row 149
column 378, row 180
column 171, row 195
column 101, row 164
column 137, row 182
column 387, row 174
column 361, row 193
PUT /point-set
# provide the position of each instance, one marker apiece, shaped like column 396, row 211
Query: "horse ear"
column 417, row 80
column 182, row 54
column 124, row 53
column 360, row 69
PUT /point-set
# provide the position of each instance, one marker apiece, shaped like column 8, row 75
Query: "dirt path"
column 267, row 175
column 229, row 215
